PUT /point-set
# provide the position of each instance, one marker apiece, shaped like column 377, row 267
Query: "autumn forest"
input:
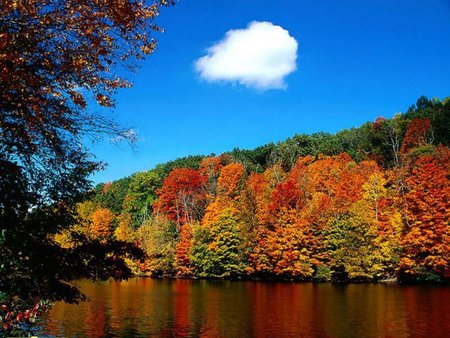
column 370, row 203
column 184, row 248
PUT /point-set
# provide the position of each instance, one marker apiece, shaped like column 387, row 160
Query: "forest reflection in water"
column 199, row 308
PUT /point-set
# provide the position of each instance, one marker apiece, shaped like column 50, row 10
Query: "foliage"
column 182, row 252
column 438, row 112
column 158, row 237
column 181, row 197
column 366, row 204
column 427, row 241
column 102, row 223
column 33, row 265
column 124, row 231
column 359, row 249
column 253, row 160
column 140, row 196
column 230, row 180
column 59, row 58
column 112, row 195
column 416, row 134
column 217, row 250
column 191, row 162
column 18, row 320
column 283, row 251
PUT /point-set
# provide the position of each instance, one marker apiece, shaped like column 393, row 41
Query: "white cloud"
column 259, row 56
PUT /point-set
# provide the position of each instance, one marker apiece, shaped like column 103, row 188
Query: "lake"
column 143, row 307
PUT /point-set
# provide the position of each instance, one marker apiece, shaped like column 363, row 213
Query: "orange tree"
column 57, row 58
column 182, row 197
column 426, row 244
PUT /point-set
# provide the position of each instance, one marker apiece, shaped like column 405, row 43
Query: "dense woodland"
column 366, row 204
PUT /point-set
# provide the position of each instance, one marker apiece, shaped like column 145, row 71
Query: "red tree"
column 182, row 197
column 416, row 134
column 182, row 252
column 427, row 242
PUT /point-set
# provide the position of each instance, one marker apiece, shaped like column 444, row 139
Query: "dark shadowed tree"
column 57, row 58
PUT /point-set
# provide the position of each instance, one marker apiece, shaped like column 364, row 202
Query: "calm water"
column 186, row 308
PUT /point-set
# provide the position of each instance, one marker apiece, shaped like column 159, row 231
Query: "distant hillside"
column 365, row 204
column 372, row 140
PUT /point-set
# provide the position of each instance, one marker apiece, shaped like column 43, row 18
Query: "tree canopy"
column 61, row 63
column 364, row 204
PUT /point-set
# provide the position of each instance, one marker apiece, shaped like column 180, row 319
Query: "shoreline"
column 389, row 281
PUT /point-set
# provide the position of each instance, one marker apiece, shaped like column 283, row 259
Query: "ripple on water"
column 142, row 307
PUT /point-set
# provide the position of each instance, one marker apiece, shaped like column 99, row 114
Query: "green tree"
column 112, row 195
column 364, row 244
column 191, row 162
column 158, row 238
column 217, row 250
column 140, row 196
column 438, row 112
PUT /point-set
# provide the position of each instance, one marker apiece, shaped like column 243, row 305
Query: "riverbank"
column 275, row 279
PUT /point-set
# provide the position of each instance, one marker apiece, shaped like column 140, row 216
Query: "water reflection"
column 185, row 308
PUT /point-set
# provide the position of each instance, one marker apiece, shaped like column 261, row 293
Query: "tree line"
column 365, row 204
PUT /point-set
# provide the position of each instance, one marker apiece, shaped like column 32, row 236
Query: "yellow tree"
column 363, row 242
column 124, row 230
column 374, row 190
column 102, row 224
column 158, row 238
column 217, row 249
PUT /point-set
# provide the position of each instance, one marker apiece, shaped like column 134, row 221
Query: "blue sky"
column 356, row 60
